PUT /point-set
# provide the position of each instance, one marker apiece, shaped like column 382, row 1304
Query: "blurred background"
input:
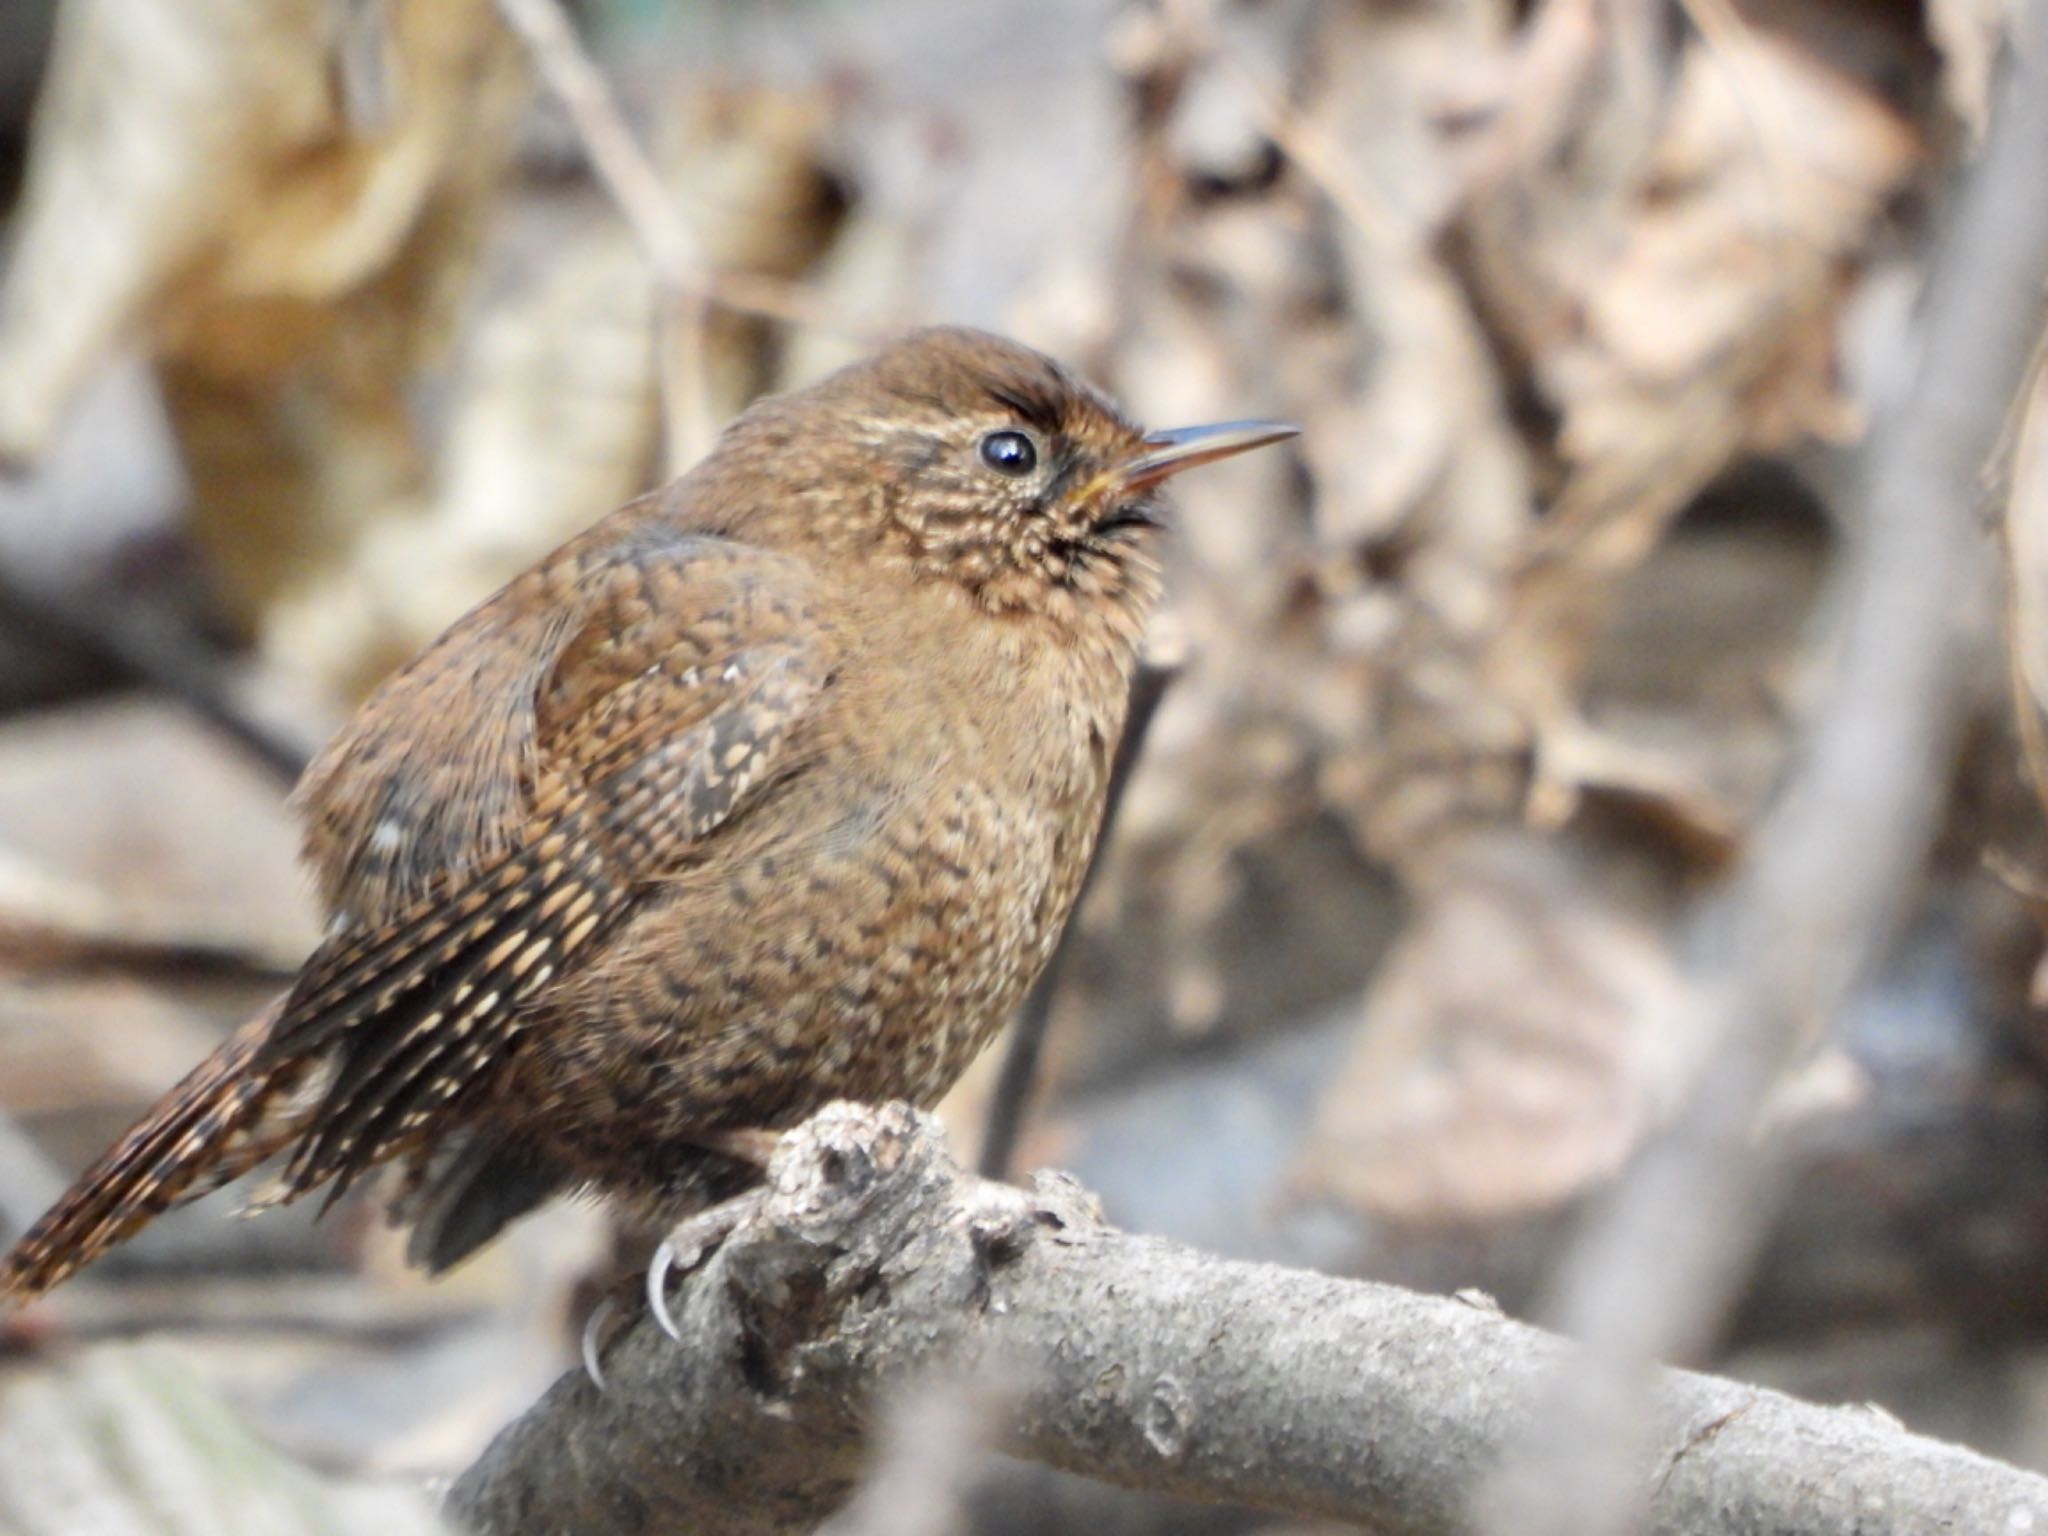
column 320, row 318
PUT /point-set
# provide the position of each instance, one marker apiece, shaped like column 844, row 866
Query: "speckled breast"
column 870, row 957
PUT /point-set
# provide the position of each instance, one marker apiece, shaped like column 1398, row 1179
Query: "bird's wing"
column 660, row 696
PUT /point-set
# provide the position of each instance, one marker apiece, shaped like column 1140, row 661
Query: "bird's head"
column 987, row 464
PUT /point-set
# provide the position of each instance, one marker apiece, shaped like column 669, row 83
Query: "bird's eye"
column 1009, row 453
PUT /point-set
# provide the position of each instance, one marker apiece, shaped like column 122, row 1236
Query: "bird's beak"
column 1170, row 452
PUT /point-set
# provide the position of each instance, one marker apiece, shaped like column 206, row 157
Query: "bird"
column 772, row 788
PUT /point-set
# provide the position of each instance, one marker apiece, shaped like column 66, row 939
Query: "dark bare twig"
column 155, row 652
column 1027, row 1036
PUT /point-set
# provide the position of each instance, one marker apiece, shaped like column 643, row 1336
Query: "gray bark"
column 875, row 1262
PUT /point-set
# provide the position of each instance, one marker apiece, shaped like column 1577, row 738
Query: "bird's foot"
column 695, row 1240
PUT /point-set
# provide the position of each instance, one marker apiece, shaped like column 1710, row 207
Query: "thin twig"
column 773, row 298
column 672, row 252
column 154, row 650
column 933, row 1446
column 1329, row 168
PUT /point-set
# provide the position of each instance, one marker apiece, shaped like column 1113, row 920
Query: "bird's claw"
column 593, row 1365
column 686, row 1247
column 659, row 1268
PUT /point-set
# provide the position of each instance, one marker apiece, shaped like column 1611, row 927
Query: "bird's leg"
column 755, row 1148
column 687, row 1247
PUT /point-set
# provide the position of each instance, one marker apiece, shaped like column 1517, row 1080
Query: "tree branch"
column 1833, row 865
column 875, row 1261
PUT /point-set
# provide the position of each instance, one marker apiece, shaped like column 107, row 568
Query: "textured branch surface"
column 875, row 1259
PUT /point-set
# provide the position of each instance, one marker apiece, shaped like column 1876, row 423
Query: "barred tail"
column 215, row 1126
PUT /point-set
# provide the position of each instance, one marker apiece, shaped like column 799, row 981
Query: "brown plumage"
column 774, row 787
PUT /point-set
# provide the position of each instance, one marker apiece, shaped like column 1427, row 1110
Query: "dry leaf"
column 554, row 416
column 273, row 198
column 1521, row 1039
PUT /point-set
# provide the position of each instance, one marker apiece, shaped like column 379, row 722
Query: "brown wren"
column 773, row 788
